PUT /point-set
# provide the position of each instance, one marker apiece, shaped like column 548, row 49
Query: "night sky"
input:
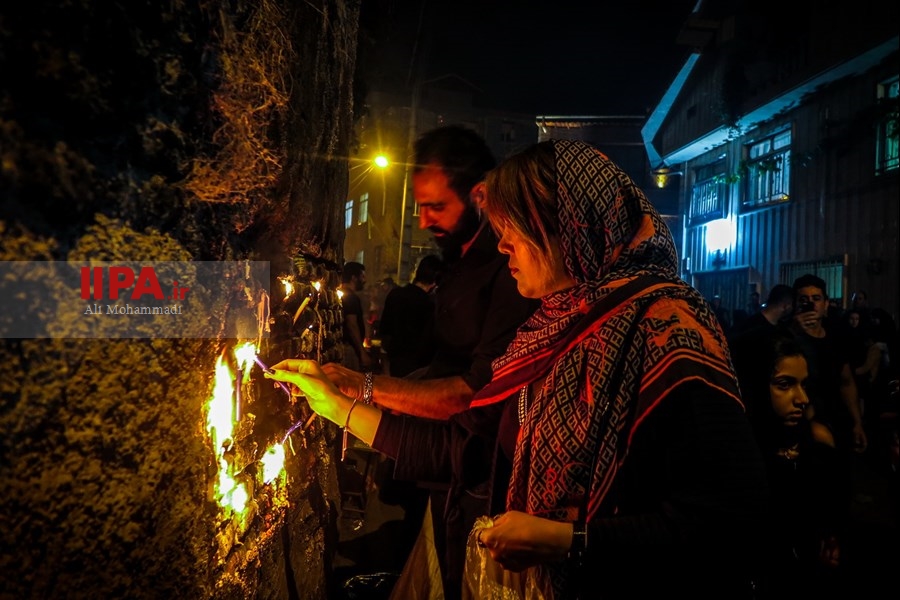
column 559, row 57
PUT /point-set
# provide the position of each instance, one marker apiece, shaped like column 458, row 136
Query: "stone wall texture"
column 169, row 131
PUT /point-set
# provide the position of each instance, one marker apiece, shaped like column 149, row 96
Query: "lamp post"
column 382, row 162
column 411, row 138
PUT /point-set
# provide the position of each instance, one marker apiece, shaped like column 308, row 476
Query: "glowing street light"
column 662, row 175
column 381, row 161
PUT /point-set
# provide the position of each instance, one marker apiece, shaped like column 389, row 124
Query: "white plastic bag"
column 421, row 577
column 485, row 579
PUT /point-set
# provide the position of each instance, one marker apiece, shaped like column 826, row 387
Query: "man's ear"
column 478, row 195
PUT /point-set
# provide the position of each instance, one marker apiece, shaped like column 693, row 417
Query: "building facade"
column 780, row 137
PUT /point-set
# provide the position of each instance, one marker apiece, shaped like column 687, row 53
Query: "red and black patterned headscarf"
column 610, row 349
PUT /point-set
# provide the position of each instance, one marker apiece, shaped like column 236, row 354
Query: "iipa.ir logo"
column 117, row 279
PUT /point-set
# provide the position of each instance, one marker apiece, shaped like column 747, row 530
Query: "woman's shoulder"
column 821, row 434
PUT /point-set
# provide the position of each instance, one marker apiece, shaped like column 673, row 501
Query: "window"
column 831, row 270
column 708, row 193
column 363, row 209
column 348, row 214
column 768, row 170
column 886, row 155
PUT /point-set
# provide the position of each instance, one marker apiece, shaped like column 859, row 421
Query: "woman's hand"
column 306, row 378
column 519, row 540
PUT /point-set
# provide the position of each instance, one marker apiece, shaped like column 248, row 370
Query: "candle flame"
column 288, row 286
column 220, row 421
column 245, row 354
column 273, row 463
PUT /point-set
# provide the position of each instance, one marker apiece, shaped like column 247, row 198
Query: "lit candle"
column 300, row 309
column 237, row 394
column 296, row 425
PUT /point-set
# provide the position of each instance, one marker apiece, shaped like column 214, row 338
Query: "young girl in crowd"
column 805, row 478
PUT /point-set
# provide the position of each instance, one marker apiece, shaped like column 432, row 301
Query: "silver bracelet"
column 345, row 437
column 368, row 387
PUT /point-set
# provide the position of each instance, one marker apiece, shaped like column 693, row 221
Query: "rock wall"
column 173, row 131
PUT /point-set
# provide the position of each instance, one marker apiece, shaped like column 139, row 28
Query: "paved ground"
column 373, row 544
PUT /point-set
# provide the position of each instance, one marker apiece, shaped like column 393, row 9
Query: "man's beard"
column 451, row 242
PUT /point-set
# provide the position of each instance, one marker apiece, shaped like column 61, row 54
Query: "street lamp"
column 381, row 161
column 661, row 175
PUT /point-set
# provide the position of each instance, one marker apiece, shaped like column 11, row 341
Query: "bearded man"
column 478, row 309
column 478, row 306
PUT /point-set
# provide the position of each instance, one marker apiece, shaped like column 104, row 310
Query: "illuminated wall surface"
column 137, row 465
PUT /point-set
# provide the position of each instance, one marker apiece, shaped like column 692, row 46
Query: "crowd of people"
column 835, row 366
column 851, row 370
column 576, row 388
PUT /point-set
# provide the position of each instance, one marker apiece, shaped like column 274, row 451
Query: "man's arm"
column 431, row 398
column 440, row 398
column 850, row 396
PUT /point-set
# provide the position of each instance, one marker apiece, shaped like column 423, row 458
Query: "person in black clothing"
column 739, row 316
column 885, row 332
column 881, row 403
column 407, row 320
column 749, row 341
column 865, row 357
column 477, row 306
column 859, row 301
column 721, row 313
column 753, row 306
column 834, row 399
column 778, row 307
column 353, row 280
column 376, row 306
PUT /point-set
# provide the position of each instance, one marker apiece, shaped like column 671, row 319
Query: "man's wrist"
column 368, row 386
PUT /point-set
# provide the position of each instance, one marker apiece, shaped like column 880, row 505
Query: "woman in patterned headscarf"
column 623, row 448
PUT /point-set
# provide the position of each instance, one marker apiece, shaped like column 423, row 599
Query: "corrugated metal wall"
column 838, row 205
